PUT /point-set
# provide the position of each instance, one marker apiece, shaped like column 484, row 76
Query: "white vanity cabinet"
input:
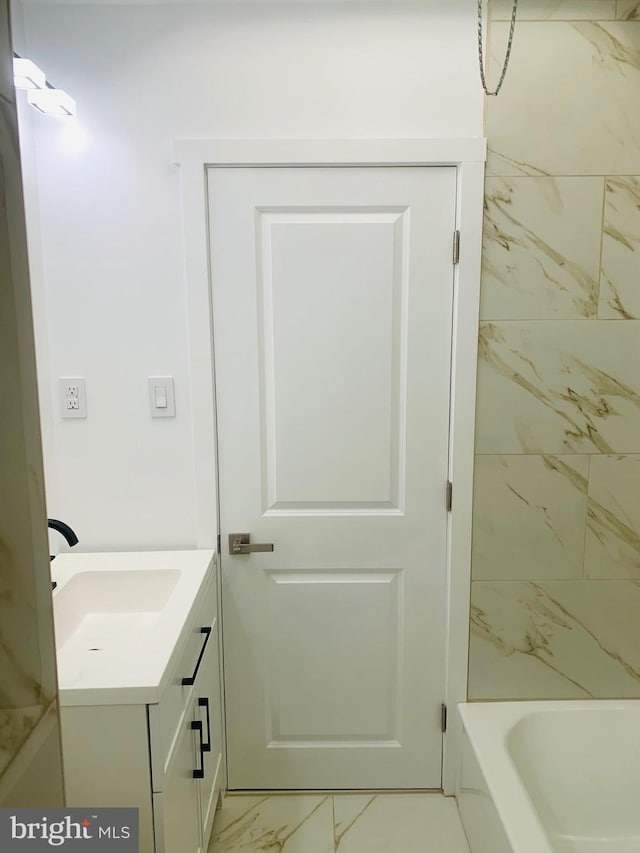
column 163, row 758
column 186, row 759
column 185, row 808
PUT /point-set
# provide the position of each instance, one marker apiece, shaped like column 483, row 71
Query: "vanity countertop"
column 120, row 621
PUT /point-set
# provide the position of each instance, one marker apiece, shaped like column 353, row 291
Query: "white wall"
column 109, row 199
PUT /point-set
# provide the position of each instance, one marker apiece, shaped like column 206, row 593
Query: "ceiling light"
column 52, row 102
column 27, row 75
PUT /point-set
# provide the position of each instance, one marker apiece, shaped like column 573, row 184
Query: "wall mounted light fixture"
column 52, row 102
column 27, row 75
column 41, row 94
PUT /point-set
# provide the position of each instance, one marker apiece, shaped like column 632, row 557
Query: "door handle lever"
column 240, row 543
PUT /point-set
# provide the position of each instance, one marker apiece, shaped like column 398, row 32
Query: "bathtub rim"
column 488, row 726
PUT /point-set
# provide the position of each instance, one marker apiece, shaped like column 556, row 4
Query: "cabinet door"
column 181, row 821
column 208, row 710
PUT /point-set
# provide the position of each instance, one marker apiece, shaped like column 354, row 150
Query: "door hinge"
column 449, row 497
column 456, row 246
column 219, row 543
column 443, row 718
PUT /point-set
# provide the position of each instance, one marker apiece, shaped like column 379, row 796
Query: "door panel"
column 318, row 270
column 322, row 703
column 332, row 302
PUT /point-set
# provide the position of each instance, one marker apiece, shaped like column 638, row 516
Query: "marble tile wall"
column 27, row 654
column 556, row 535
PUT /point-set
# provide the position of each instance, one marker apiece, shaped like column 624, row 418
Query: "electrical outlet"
column 73, row 397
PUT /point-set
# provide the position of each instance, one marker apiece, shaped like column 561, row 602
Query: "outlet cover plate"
column 73, row 397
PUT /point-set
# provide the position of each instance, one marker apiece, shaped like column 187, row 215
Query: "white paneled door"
column 332, row 303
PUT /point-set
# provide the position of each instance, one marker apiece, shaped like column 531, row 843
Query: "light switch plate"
column 73, row 397
column 162, row 401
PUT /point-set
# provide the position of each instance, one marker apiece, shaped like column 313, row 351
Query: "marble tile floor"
column 338, row 823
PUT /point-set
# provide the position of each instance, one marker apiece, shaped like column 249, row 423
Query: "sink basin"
column 118, row 619
column 110, row 608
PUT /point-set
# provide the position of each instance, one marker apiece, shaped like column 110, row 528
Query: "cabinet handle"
column 204, row 703
column 190, row 680
column 198, row 773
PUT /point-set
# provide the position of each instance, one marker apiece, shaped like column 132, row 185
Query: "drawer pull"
column 198, row 773
column 204, row 703
column 190, row 680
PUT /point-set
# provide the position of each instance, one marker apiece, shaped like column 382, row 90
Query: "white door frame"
column 468, row 156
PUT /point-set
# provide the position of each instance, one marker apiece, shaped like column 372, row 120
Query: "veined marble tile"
column 17, row 688
column 27, row 654
column 554, row 639
column 613, row 527
column 541, row 248
column 569, row 102
column 558, row 10
column 559, row 386
column 499, row 675
column 7, row 90
column 16, row 724
column 628, row 10
column 620, row 272
column 398, row 823
column 529, row 517
column 286, row 824
column 347, row 810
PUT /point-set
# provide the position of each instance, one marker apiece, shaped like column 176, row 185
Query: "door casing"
column 468, row 156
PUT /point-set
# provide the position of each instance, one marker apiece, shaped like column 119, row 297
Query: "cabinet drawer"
column 206, row 709
column 166, row 717
column 176, row 811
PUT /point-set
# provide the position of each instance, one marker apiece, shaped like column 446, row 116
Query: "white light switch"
column 161, row 397
column 73, row 397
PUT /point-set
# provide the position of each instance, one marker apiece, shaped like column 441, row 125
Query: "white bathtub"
column 551, row 777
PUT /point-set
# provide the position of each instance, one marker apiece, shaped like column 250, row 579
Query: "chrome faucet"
column 65, row 531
